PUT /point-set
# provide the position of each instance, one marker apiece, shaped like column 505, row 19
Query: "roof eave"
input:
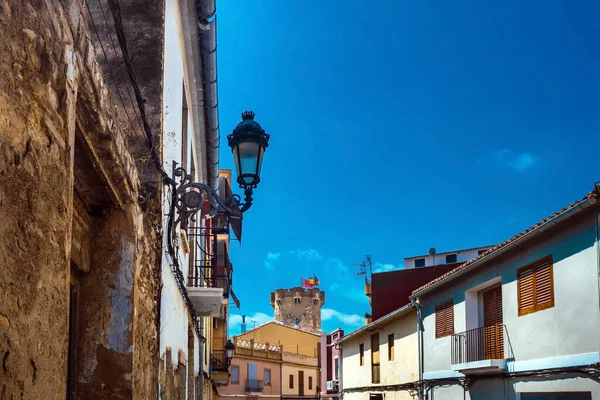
column 386, row 318
column 570, row 211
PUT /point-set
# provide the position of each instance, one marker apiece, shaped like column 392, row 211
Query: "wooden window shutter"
column 444, row 319
column 535, row 286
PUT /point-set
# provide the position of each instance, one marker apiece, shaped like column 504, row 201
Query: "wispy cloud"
column 518, row 162
column 307, row 254
column 381, row 267
column 348, row 319
column 271, row 258
column 235, row 321
column 352, row 290
column 335, row 264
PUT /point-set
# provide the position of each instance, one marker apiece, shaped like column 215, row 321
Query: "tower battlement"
column 299, row 307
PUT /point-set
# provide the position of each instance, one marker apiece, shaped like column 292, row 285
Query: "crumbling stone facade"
column 79, row 216
column 299, row 307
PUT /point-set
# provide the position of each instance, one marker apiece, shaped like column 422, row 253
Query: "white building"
column 448, row 257
column 520, row 321
column 191, row 299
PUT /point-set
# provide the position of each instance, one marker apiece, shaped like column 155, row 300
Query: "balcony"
column 483, row 350
column 218, row 361
column 210, row 272
column 254, row 386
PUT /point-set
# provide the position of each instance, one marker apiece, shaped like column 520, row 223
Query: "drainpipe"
column 281, row 375
column 416, row 303
column 201, row 360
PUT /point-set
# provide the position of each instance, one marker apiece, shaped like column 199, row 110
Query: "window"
column 337, row 368
column 376, row 396
column 297, row 323
column 450, row 258
column 235, row 374
column 535, row 286
column 291, row 385
column 444, row 319
column 391, row 347
column 310, row 383
column 361, row 350
column 375, row 358
column 267, row 377
column 419, row 262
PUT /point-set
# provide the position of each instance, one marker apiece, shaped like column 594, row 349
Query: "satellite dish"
column 432, row 251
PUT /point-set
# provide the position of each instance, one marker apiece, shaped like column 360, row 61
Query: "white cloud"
column 235, row 321
column 309, row 254
column 348, row 319
column 270, row 258
column 518, row 162
column 380, row 267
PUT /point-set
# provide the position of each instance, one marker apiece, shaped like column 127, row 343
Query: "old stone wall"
column 60, row 140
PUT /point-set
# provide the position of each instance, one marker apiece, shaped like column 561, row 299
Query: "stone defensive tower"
column 298, row 307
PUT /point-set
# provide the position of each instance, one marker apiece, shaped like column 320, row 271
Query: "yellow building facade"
column 382, row 353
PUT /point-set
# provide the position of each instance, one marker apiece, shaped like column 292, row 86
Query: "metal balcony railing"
column 254, row 385
column 484, row 343
column 218, row 361
column 209, row 261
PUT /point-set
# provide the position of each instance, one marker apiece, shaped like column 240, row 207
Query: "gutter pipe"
column 575, row 209
column 416, row 303
column 207, row 24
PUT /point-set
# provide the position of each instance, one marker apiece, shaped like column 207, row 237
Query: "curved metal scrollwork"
column 190, row 197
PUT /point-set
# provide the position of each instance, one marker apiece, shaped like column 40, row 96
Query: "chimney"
column 243, row 324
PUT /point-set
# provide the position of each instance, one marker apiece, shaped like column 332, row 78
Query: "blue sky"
column 398, row 126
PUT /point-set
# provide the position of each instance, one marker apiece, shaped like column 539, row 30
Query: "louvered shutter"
column 439, row 320
column 444, row 319
column 535, row 286
column 544, row 293
column 449, row 318
column 493, row 330
column 525, row 289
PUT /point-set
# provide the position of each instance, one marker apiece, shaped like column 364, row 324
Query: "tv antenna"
column 366, row 268
column 432, row 253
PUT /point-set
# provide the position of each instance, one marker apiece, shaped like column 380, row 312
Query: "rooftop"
column 450, row 252
column 493, row 251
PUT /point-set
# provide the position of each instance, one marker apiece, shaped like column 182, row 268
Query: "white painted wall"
column 403, row 369
column 174, row 314
column 461, row 256
column 568, row 330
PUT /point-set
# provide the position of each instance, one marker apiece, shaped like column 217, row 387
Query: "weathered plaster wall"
column 58, row 135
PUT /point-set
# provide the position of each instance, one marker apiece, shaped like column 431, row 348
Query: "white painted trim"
column 442, row 374
column 498, row 365
column 554, row 362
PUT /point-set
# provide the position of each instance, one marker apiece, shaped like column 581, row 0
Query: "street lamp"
column 229, row 349
column 248, row 143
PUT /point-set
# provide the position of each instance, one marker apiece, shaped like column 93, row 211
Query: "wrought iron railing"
column 209, row 268
column 484, row 343
column 218, row 361
column 254, row 385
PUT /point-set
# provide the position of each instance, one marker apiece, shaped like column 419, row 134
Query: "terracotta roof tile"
column 592, row 194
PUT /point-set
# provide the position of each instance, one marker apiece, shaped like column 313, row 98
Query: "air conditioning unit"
column 330, row 385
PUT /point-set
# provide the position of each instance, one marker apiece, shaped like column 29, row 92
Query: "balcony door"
column 493, row 328
column 300, row 383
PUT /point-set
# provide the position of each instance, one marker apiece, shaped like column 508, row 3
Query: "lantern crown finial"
column 248, row 115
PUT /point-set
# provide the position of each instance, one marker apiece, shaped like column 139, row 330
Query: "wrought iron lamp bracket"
column 189, row 198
